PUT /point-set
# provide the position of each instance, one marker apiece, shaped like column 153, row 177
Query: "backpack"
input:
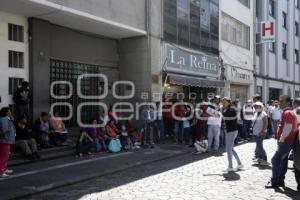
column 115, row 145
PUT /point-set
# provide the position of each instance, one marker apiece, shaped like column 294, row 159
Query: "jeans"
column 280, row 163
column 83, row 147
column 99, row 144
column 169, row 126
column 260, row 152
column 179, row 131
column 24, row 110
column 4, row 155
column 297, row 176
column 187, row 135
column 274, row 127
column 161, row 129
column 28, row 147
column 230, row 137
column 246, row 128
column 148, row 133
column 213, row 136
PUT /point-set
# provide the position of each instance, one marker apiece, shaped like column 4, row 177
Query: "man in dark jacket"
column 22, row 99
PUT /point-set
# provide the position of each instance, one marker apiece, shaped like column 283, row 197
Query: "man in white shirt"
column 247, row 114
column 214, row 127
column 275, row 115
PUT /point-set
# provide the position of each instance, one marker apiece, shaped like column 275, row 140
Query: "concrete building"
column 237, row 47
column 277, row 63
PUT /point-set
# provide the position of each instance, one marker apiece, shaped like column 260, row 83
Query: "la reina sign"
column 186, row 62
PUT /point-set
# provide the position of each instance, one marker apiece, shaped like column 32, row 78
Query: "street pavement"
column 182, row 177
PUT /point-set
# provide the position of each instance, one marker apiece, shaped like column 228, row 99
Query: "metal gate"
column 70, row 71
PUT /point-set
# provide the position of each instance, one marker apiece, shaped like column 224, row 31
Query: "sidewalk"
column 38, row 177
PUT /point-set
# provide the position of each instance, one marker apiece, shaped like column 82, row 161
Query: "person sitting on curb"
column 42, row 131
column 59, row 130
column 24, row 139
column 99, row 139
column 84, row 143
column 201, row 146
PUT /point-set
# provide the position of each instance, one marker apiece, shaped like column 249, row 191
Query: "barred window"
column 13, row 84
column 15, row 33
column 16, row 59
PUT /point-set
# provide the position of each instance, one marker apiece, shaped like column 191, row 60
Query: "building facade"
column 14, row 52
column 277, row 63
column 237, row 47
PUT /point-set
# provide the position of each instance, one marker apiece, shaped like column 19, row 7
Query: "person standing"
column 247, row 114
column 148, row 123
column 8, row 133
column 286, row 134
column 159, row 123
column 214, row 128
column 259, row 127
column 275, row 115
column 296, row 149
column 21, row 98
column 231, row 131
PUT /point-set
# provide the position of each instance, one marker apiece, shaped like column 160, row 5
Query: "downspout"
column 148, row 29
column 254, row 47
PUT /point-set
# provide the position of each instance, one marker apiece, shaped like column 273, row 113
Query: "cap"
column 258, row 103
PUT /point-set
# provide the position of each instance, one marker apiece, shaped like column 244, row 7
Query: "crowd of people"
column 205, row 126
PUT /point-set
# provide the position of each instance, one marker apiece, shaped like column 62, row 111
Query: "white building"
column 277, row 63
column 13, row 54
column 236, row 47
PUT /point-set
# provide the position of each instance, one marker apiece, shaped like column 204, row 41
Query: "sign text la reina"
column 192, row 61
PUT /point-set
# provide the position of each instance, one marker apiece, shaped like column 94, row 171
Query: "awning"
column 195, row 81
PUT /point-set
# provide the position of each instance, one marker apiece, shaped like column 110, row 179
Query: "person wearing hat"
column 259, row 128
column 275, row 115
column 247, row 114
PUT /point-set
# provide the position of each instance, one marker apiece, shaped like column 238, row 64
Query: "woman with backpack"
column 112, row 140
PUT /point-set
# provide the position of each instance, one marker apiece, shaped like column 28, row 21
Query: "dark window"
column 205, row 15
column 15, row 33
column 183, row 10
column 214, row 44
column 296, row 29
column 170, row 22
column 13, row 84
column 195, row 24
column 272, row 8
column 245, row 2
column 296, row 56
column 16, row 59
column 284, row 50
column 284, row 19
column 205, row 41
column 297, row 3
column 272, row 47
column 214, row 18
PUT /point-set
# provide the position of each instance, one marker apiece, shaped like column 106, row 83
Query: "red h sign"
column 267, row 31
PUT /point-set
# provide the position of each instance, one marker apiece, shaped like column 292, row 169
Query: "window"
column 183, row 10
column 272, row 8
column 235, row 32
column 13, row 84
column 192, row 23
column 272, row 47
column 284, row 50
column 16, row 59
column 15, row 33
column 284, row 20
column 296, row 56
column 296, row 29
column 245, row 2
column 297, row 3
column 297, row 94
column 170, row 19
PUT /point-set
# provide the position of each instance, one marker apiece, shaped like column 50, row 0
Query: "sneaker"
column 229, row 170
column 4, row 175
column 9, row 171
column 264, row 163
column 241, row 166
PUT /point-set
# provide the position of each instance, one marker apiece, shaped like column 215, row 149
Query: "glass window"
column 205, row 41
column 214, row 44
column 284, row 19
column 296, row 56
column 272, row 47
column 205, row 15
column 183, row 10
column 195, row 24
column 235, row 32
column 15, row 59
column 15, row 33
column 245, row 2
column 214, row 18
column 272, row 8
column 284, row 50
column 170, row 26
column 297, row 3
column 296, row 29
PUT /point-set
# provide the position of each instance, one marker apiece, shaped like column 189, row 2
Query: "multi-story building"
column 237, row 47
column 277, row 63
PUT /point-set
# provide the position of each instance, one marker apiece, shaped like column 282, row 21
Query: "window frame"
column 19, row 56
column 296, row 29
column 296, row 54
column 17, row 36
column 284, row 19
column 284, row 51
column 11, row 84
column 272, row 8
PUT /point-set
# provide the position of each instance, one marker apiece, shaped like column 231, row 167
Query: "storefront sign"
column 186, row 62
column 239, row 75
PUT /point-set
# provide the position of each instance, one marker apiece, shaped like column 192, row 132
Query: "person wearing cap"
column 259, row 127
column 286, row 134
column 275, row 115
column 247, row 114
